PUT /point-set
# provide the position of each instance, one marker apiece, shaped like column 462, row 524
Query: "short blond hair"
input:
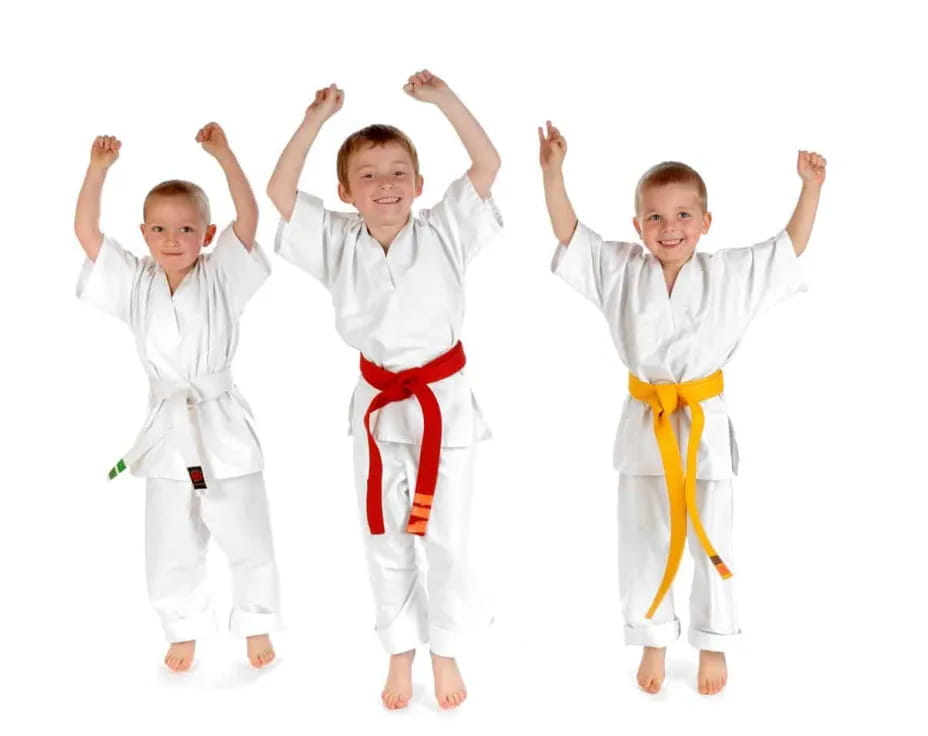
column 373, row 135
column 179, row 188
column 671, row 172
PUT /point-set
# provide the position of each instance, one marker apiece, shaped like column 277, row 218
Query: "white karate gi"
column 402, row 309
column 685, row 336
column 187, row 341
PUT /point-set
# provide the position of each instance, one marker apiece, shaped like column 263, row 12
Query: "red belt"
column 396, row 387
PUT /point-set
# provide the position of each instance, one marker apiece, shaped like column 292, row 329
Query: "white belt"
column 176, row 397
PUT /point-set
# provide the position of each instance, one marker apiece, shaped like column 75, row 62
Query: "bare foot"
column 180, row 655
column 651, row 669
column 398, row 690
column 713, row 672
column 260, row 650
column 449, row 685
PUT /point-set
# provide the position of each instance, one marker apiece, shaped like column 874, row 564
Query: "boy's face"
column 670, row 222
column 175, row 232
column 382, row 184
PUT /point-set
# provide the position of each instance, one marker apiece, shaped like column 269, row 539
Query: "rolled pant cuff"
column 653, row 635
column 403, row 636
column 450, row 642
column 250, row 623
column 190, row 628
column 713, row 642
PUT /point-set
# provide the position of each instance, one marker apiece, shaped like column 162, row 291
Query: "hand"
column 327, row 102
column 213, row 139
column 104, row 151
column 426, row 87
column 552, row 148
column 811, row 168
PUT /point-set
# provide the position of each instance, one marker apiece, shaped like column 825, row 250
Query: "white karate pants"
column 178, row 525
column 644, row 540
column 440, row 607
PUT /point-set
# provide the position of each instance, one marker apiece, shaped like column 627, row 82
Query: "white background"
column 827, row 392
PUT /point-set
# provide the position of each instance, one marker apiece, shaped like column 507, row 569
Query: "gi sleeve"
column 107, row 282
column 758, row 277
column 594, row 267
column 463, row 220
column 240, row 271
column 315, row 238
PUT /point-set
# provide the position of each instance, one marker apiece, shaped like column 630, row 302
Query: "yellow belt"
column 664, row 400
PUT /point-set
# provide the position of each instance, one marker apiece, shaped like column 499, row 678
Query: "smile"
column 387, row 200
column 670, row 243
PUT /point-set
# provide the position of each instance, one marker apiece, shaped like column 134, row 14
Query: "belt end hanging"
column 720, row 567
column 196, row 477
column 116, row 469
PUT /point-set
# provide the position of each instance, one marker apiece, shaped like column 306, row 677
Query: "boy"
column 676, row 317
column 197, row 450
column 397, row 285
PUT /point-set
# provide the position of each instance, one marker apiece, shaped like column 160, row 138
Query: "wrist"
column 444, row 98
column 811, row 187
column 224, row 157
column 97, row 169
column 313, row 120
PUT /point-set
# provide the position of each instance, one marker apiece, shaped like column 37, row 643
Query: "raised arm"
column 103, row 153
column 286, row 177
column 811, row 168
column 553, row 149
column 484, row 159
column 215, row 143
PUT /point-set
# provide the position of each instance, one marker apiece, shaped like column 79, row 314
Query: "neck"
column 670, row 275
column 385, row 234
column 175, row 277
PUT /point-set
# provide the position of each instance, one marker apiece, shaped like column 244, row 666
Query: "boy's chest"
column 186, row 323
column 413, row 276
column 654, row 326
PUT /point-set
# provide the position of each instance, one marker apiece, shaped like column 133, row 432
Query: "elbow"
column 493, row 165
column 271, row 192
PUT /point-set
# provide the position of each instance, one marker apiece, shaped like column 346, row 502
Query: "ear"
column 706, row 222
column 344, row 195
column 210, row 234
column 142, row 228
column 419, row 183
column 637, row 223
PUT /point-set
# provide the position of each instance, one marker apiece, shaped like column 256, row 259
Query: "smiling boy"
column 397, row 286
column 198, row 449
column 676, row 317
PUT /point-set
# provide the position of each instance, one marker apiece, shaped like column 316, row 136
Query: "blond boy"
column 197, row 449
column 676, row 316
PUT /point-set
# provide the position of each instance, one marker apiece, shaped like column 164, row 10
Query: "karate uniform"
column 686, row 336
column 401, row 310
column 186, row 342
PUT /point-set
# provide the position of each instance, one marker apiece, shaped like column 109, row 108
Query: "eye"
column 654, row 218
column 400, row 173
column 186, row 229
column 684, row 215
column 156, row 228
column 367, row 176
